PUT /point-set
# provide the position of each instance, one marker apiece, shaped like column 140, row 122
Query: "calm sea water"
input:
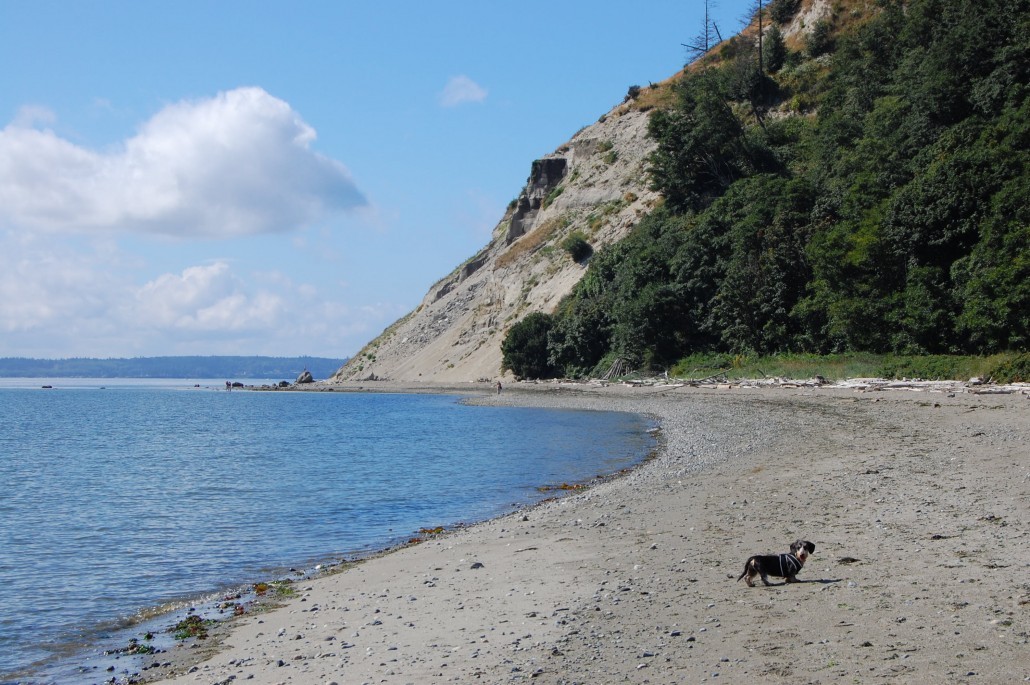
column 117, row 497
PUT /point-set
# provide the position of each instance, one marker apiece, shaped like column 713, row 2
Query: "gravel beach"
column 917, row 503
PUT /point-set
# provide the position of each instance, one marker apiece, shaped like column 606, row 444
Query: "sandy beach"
column 917, row 503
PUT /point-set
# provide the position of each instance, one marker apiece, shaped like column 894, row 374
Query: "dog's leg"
column 749, row 573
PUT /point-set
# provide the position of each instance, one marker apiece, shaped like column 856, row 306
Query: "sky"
column 284, row 179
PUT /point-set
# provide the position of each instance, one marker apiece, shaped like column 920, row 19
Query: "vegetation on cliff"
column 864, row 192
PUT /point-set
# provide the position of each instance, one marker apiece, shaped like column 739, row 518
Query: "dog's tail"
column 746, row 565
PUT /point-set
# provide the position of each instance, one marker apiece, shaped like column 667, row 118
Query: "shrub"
column 1014, row 369
column 783, row 11
column 577, row 247
column 730, row 48
column 930, row 367
column 819, row 41
column 553, row 195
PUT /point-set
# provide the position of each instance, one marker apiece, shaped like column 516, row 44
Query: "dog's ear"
column 810, row 546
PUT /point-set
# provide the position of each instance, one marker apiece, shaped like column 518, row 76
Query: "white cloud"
column 236, row 164
column 53, row 293
column 205, row 298
column 86, row 296
column 460, row 90
column 32, row 115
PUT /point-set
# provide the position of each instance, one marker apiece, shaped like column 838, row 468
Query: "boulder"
column 305, row 377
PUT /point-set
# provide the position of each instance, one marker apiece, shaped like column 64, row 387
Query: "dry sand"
column 917, row 503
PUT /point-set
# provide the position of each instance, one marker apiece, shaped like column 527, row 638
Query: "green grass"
column 1006, row 367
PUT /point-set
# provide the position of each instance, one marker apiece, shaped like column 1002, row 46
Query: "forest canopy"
column 867, row 193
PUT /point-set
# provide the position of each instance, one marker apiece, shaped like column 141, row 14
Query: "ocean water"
column 118, row 498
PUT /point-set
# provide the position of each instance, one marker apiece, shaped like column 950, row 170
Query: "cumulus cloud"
column 83, row 296
column 46, row 286
column 237, row 164
column 205, row 298
column 460, row 90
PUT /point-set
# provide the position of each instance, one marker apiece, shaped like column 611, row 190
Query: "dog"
column 778, row 565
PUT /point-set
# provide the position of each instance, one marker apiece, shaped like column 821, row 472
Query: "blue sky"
column 282, row 178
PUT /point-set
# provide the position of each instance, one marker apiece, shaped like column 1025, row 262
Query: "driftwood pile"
column 721, row 381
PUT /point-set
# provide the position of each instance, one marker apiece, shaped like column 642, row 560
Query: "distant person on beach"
column 228, row 386
column 498, row 387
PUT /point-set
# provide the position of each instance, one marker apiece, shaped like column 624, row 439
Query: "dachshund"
column 778, row 565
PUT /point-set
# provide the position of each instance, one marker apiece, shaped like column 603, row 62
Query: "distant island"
column 229, row 367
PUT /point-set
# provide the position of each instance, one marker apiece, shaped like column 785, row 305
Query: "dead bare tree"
column 707, row 38
column 757, row 9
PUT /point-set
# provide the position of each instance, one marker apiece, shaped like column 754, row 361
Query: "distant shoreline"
column 169, row 367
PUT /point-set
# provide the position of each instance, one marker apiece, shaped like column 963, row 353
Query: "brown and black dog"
column 779, row 565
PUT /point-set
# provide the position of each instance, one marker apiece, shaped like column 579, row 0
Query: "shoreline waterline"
column 221, row 627
column 150, row 618
column 632, row 579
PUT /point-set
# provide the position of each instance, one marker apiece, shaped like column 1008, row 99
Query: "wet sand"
column 918, row 504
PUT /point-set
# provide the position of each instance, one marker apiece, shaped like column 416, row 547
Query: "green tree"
column 524, row 350
column 892, row 217
column 766, row 272
column 774, row 50
column 819, row 40
column 702, row 147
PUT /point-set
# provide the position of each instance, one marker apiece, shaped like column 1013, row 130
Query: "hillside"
column 595, row 185
column 855, row 180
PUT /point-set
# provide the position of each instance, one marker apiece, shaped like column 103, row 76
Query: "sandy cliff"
column 595, row 184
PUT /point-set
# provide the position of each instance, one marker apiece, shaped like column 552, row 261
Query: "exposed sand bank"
column 917, row 503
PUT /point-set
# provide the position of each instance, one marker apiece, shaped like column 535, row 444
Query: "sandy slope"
column 917, row 502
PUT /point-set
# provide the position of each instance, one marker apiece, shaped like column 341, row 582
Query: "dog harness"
column 789, row 565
